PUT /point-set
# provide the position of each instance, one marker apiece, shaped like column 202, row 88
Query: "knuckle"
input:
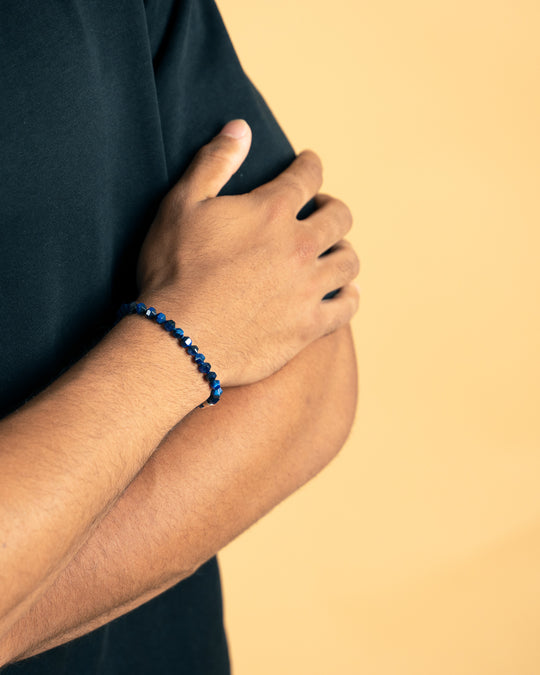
column 312, row 162
column 305, row 247
column 294, row 190
column 355, row 301
column 357, row 266
column 277, row 207
column 213, row 153
column 345, row 213
column 349, row 265
column 352, row 304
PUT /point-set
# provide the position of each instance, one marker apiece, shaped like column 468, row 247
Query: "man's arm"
column 67, row 455
column 210, row 479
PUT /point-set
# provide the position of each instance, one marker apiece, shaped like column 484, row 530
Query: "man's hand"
column 245, row 262
column 242, row 273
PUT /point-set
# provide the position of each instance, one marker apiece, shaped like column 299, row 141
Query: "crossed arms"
column 208, row 481
column 109, row 519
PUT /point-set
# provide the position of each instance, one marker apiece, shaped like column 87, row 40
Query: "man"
column 114, row 486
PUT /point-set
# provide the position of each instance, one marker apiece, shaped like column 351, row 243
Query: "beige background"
column 417, row 551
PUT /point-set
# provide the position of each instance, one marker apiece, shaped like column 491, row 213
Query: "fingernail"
column 235, row 129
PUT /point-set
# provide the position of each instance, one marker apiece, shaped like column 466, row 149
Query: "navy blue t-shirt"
column 103, row 104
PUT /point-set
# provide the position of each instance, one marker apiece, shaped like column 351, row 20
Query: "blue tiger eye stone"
column 212, row 400
column 185, row 341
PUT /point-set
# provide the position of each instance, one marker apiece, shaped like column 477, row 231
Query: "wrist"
column 175, row 336
column 153, row 365
column 193, row 333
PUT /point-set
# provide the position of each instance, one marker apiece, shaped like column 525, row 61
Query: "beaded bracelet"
column 185, row 341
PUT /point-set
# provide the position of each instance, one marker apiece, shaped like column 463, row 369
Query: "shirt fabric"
column 102, row 106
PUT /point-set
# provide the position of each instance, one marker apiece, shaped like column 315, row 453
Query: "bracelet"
column 204, row 367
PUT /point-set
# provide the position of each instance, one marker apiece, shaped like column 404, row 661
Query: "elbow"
column 340, row 397
column 330, row 397
column 345, row 401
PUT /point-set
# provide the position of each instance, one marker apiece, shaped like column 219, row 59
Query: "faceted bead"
column 217, row 392
column 212, row 400
column 169, row 325
column 186, row 341
column 161, row 318
column 151, row 312
column 192, row 350
column 132, row 307
column 215, row 384
column 178, row 333
column 199, row 358
column 211, row 376
column 141, row 308
column 204, row 367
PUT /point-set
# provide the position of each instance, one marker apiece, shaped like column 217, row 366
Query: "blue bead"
column 132, row 307
column 211, row 376
column 151, row 312
column 186, row 341
column 215, row 384
column 212, row 400
column 141, row 308
column 178, row 333
column 199, row 358
column 204, row 367
column 169, row 325
column 217, row 392
column 161, row 318
column 192, row 350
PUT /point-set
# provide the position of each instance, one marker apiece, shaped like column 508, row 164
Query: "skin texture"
column 78, row 445
column 209, row 480
column 67, row 531
column 231, row 254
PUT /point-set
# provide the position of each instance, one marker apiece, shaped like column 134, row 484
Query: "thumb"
column 217, row 161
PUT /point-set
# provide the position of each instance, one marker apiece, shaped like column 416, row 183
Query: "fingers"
column 330, row 222
column 297, row 184
column 338, row 268
column 215, row 163
column 339, row 310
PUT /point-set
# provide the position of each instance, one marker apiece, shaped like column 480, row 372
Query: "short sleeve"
column 201, row 85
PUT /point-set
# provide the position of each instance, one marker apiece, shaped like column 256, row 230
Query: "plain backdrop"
column 417, row 551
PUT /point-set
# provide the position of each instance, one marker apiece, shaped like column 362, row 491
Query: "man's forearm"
column 214, row 475
column 67, row 455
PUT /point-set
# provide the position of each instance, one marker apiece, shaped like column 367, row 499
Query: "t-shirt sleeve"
column 201, row 85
